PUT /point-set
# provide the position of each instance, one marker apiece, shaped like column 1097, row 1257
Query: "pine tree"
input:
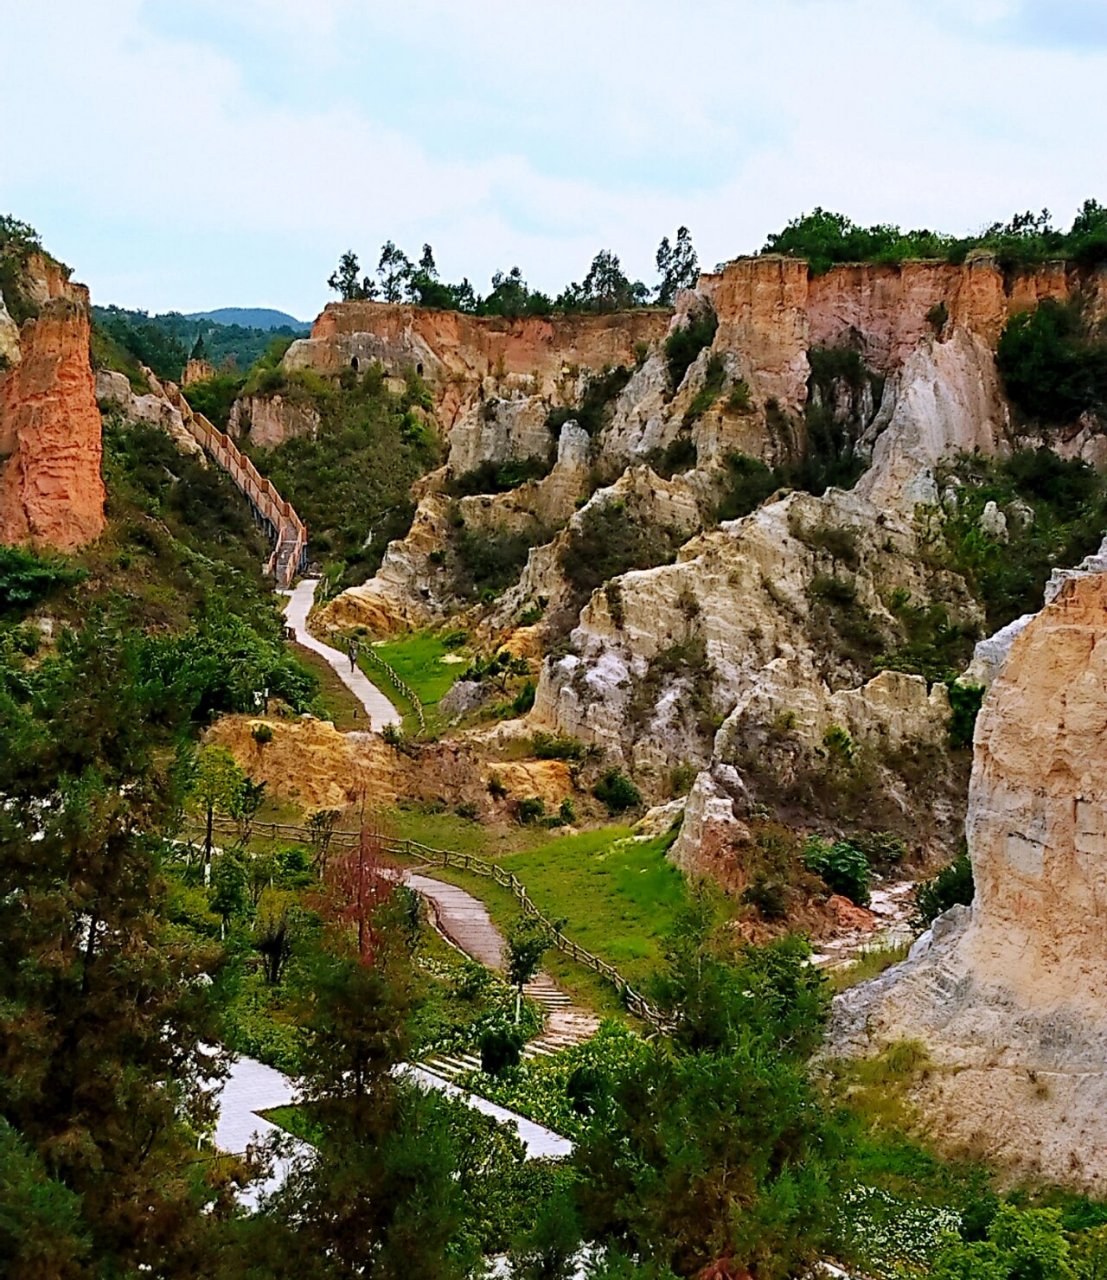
column 101, row 1022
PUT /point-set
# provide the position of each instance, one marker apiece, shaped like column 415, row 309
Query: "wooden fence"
column 634, row 1000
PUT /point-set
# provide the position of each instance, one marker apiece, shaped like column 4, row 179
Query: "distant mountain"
column 251, row 318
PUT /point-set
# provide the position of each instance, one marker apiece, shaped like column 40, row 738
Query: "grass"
column 295, row 1120
column 417, row 658
column 869, row 964
column 339, row 703
column 618, row 898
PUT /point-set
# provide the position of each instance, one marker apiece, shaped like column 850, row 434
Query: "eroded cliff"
column 51, row 491
column 1010, row 996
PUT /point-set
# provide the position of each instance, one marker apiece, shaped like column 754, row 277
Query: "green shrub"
column 748, row 482
column 499, row 1050
column 1069, row 504
column 214, row 396
column 714, row 377
column 550, row 746
column 606, row 544
column 262, row 733
column 683, row 345
column 951, row 886
column 26, row 578
column 681, row 778
column 738, row 401
column 592, row 412
column 842, row 866
column 883, row 849
column 498, row 477
column 493, row 559
column 617, row 792
column 679, row 454
column 1053, row 367
column 524, row 699
column 838, row 743
column 964, row 704
column 769, row 896
column 529, row 809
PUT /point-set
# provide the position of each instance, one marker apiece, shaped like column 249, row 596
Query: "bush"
column 1069, row 504
column 842, row 867
column 748, row 483
column 770, row 897
column 592, row 411
column 739, row 399
column 529, row 809
column 606, row 544
column 678, row 455
column 493, row 560
column 497, row 477
column 713, row 379
column 262, row 733
column 681, row 778
column 683, row 345
column 214, row 396
column 617, row 792
column 550, row 746
column 952, row 885
column 499, row 1050
column 26, row 578
column 964, row 704
column 1052, row 368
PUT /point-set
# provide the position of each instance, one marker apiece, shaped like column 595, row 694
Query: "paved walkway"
column 464, row 919
column 252, row 1087
column 377, row 706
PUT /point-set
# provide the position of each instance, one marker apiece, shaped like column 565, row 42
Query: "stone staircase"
column 566, row 1025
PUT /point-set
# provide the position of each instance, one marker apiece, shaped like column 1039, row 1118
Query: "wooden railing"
column 288, row 530
column 634, row 1000
column 401, row 686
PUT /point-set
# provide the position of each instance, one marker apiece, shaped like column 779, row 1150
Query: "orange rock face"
column 772, row 312
column 51, row 492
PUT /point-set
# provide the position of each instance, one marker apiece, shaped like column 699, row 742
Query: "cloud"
column 209, row 153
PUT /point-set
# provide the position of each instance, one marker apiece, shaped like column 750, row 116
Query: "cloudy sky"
column 189, row 154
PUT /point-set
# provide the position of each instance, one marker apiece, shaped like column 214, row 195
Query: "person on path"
column 352, row 651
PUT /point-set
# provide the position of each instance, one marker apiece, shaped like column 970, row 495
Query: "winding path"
column 380, row 711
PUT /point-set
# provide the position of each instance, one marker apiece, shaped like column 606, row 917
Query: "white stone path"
column 377, row 706
column 251, row 1086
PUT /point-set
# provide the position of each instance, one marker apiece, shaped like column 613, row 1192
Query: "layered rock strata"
column 1010, row 997
column 51, row 491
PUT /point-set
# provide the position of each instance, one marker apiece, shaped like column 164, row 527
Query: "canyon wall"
column 51, row 491
column 1010, row 996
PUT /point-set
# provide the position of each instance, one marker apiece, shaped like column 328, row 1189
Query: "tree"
column 217, row 784
column 509, row 295
column 712, row 1144
column 348, row 281
column 228, row 888
column 393, row 270
column 527, row 943
column 101, row 1024
column 41, row 1233
column 677, row 265
column 244, row 807
column 199, row 351
column 274, row 932
column 606, row 288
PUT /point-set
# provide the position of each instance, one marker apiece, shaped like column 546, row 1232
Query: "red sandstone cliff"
column 51, row 491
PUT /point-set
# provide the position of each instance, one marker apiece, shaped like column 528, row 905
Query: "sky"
column 191, row 154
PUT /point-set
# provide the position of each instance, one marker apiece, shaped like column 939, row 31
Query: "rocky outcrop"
column 455, row 353
column 944, row 400
column 1011, row 997
column 114, row 392
column 271, row 420
column 197, row 371
column 51, row 492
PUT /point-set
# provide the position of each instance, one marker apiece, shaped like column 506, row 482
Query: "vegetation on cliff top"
column 1028, row 239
